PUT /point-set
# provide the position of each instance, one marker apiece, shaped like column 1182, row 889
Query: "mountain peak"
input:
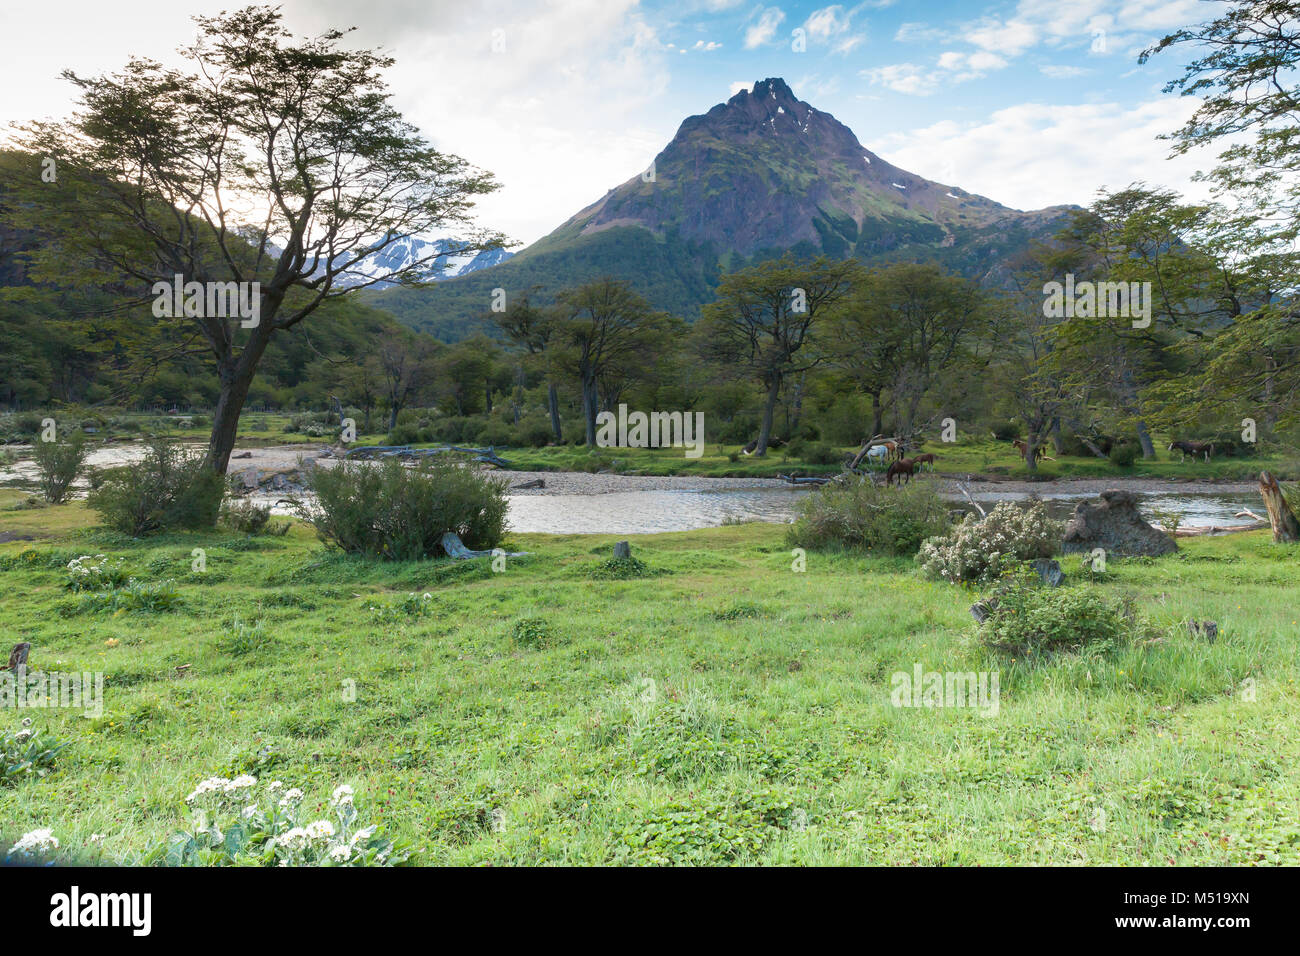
column 773, row 88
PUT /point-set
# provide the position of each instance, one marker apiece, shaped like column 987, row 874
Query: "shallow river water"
column 681, row 509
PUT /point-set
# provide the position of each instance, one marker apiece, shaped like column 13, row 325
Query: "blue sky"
column 1030, row 102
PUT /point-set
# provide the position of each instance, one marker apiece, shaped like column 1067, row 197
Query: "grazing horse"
column 926, row 459
column 904, row 466
column 1039, row 451
column 1196, row 449
column 878, row 453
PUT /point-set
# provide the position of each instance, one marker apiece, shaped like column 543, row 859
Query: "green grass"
column 975, row 456
column 716, row 707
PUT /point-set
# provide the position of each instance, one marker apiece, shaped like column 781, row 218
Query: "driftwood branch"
column 974, row 504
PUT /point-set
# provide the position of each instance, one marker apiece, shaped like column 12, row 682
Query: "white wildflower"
column 36, row 841
column 320, row 830
column 291, row 797
column 340, row 853
column 342, row 796
column 207, row 786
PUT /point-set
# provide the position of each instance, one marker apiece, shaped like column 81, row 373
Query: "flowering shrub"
column 982, row 550
column 26, row 753
column 236, row 822
column 96, row 574
column 34, row 846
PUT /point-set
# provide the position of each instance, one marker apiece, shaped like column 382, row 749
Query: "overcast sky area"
column 1030, row 103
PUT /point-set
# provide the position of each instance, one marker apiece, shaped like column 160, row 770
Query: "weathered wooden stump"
column 1049, row 571
column 1285, row 526
column 1206, row 629
column 18, row 657
column 622, row 550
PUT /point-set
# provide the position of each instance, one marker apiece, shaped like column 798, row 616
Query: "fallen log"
column 805, row 481
column 1285, row 526
column 455, row 548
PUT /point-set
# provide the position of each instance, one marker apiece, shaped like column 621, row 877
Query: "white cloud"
column 1034, row 155
column 1057, row 72
column 764, row 28
column 708, row 47
column 738, row 85
column 952, row 66
column 831, row 25
column 905, row 78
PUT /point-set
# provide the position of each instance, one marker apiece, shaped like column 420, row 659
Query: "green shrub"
column 819, row 453
column 980, row 550
column 496, row 434
column 390, row 511
column 534, row 433
column 245, row 517
column 168, row 489
column 1124, row 455
column 535, row 632
column 26, row 753
column 1030, row 619
column 58, row 464
column 243, row 637
column 136, row 595
column 861, row 516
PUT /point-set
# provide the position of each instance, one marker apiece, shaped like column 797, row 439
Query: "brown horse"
column 1196, row 449
column 904, row 466
column 1039, row 451
column 926, row 459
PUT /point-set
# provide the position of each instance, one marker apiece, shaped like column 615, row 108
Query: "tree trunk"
column 553, row 404
column 392, row 416
column 769, row 409
column 1144, row 438
column 877, row 415
column 1056, row 436
column 1285, row 527
column 589, row 400
column 225, row 419
column 1031, row 453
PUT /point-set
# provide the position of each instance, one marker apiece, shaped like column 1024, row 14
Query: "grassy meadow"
column 722, row 708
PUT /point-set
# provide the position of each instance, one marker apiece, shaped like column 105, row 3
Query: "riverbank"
column 722, row 709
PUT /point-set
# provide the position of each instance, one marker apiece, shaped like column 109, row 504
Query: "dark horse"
column 926, row 459
column 904, row 466
column 1196, row 449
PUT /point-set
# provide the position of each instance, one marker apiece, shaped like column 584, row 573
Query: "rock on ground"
column 1114, row 523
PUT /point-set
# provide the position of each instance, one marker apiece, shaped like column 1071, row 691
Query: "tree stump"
column 622, row 550
column 1285, row 526
column 1050, row 572
column 18, row 657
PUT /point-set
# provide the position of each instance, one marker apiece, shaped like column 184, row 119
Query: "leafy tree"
column 766, row 314
column 605, row 325
column 532, row 328
column 268, row 139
